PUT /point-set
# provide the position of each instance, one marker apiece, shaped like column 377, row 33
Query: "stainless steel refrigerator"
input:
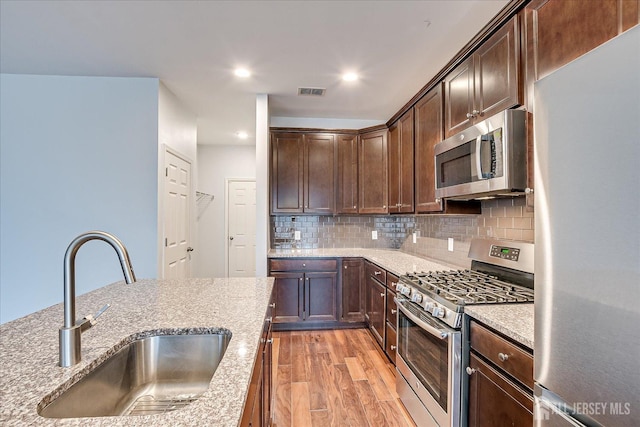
column 587, row 247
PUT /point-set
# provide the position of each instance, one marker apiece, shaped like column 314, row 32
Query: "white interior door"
column 177, row 194
column 241, row 228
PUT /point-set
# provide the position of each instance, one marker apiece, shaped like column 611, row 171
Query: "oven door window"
column 427, row 357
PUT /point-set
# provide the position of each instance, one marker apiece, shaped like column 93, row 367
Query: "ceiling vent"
column 311, row 91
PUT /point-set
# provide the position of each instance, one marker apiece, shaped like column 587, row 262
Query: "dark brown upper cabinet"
column 347, row 194
column 372, row 173
column 559, row 31
column 303, row 173
column 428, row 132
column 287, row 166
column 486, row 82
column 401, row 178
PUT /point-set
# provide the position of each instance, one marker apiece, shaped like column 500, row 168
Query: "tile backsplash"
column 502, row 218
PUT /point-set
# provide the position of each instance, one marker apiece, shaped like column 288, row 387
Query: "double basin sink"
column 151, row 375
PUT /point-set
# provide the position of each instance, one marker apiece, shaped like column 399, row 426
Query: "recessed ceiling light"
column 350, row 77
column 242, row 135
column 242, row 72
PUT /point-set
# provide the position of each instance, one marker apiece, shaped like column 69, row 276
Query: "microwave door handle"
column 440, row 333
column 479, row 158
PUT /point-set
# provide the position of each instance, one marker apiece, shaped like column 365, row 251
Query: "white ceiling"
column 193, row 47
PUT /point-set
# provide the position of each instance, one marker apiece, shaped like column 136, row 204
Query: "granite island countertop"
column 513, row 320
column 29, row 346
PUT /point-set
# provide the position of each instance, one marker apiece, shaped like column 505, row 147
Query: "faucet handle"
column 91, row 320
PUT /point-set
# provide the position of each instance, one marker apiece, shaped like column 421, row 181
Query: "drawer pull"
column 377, row 273
column 503, row 357
column 394, row 311
column 382, row 294
column 272, row 305
column 393, row 347
column 470, row 370
column 269, row 341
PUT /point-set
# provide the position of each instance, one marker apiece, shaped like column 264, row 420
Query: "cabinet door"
column 352, row 290
column 377, row 315
column 372, row 173
column 267, row 380
column 286, row 173
column 401, row 165
column 289, row 297
column 320, row 296
column 391, row 342
column 497, row 72
column 394, row 168
column 459, row 95
column 406, row 162
column 494, row 400
column 347, row 196
column 319, row 173
column 428, row 132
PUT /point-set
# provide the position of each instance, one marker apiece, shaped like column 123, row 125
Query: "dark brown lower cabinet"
column 376, row 314
column 257, row 409
column 500, row 380
column 305, row 298
column 494, row 400
column 352, row 290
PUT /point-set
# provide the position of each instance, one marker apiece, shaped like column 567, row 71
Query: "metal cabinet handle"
column 475, row 113
column 304, row 265
column 470, row 370
column 503, row 357
column 394, row 311
column 230, row 237
column 382, row 294
column 384, row 206
column 270, row 341
column 189, row 249
column 469, row 116
column 354, row 206
column 269, row 319
column 345, row 267
column 377, row 273
column 272, row 305
column 394, row 284
column 393, row 347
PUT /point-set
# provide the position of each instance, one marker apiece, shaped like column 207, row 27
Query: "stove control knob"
column 428, row 306
column 438, row 312
column 406, row 291
column 416, row 297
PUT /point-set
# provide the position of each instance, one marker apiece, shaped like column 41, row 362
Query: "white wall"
column 178, row 130
column 215, row 164
column 77, row 153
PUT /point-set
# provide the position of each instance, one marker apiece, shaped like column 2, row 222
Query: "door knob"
column 189, row 249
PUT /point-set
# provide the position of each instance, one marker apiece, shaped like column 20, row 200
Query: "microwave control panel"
column 504, row 252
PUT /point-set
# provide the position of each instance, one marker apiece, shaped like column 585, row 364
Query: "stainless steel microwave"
column 484, row 161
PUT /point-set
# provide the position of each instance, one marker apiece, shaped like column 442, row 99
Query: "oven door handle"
column 440, row 333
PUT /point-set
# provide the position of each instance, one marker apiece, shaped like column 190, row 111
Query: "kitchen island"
column 29, row 368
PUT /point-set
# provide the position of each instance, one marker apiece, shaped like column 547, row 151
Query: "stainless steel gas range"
column 431, row 346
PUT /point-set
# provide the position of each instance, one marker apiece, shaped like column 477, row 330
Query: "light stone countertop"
column 513, row 320
column 394, row 261
column 29, row 346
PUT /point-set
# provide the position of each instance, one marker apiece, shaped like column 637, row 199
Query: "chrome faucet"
column 71, row 332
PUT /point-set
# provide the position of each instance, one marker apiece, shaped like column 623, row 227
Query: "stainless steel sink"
column 152, row 375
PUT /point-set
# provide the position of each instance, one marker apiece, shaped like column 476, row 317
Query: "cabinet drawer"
column 392, row 309
column 392, row 281
column 380, row 274
column 506, row 355
column 303, row 264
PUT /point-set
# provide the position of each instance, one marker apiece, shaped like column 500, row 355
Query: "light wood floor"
column 333, row 378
